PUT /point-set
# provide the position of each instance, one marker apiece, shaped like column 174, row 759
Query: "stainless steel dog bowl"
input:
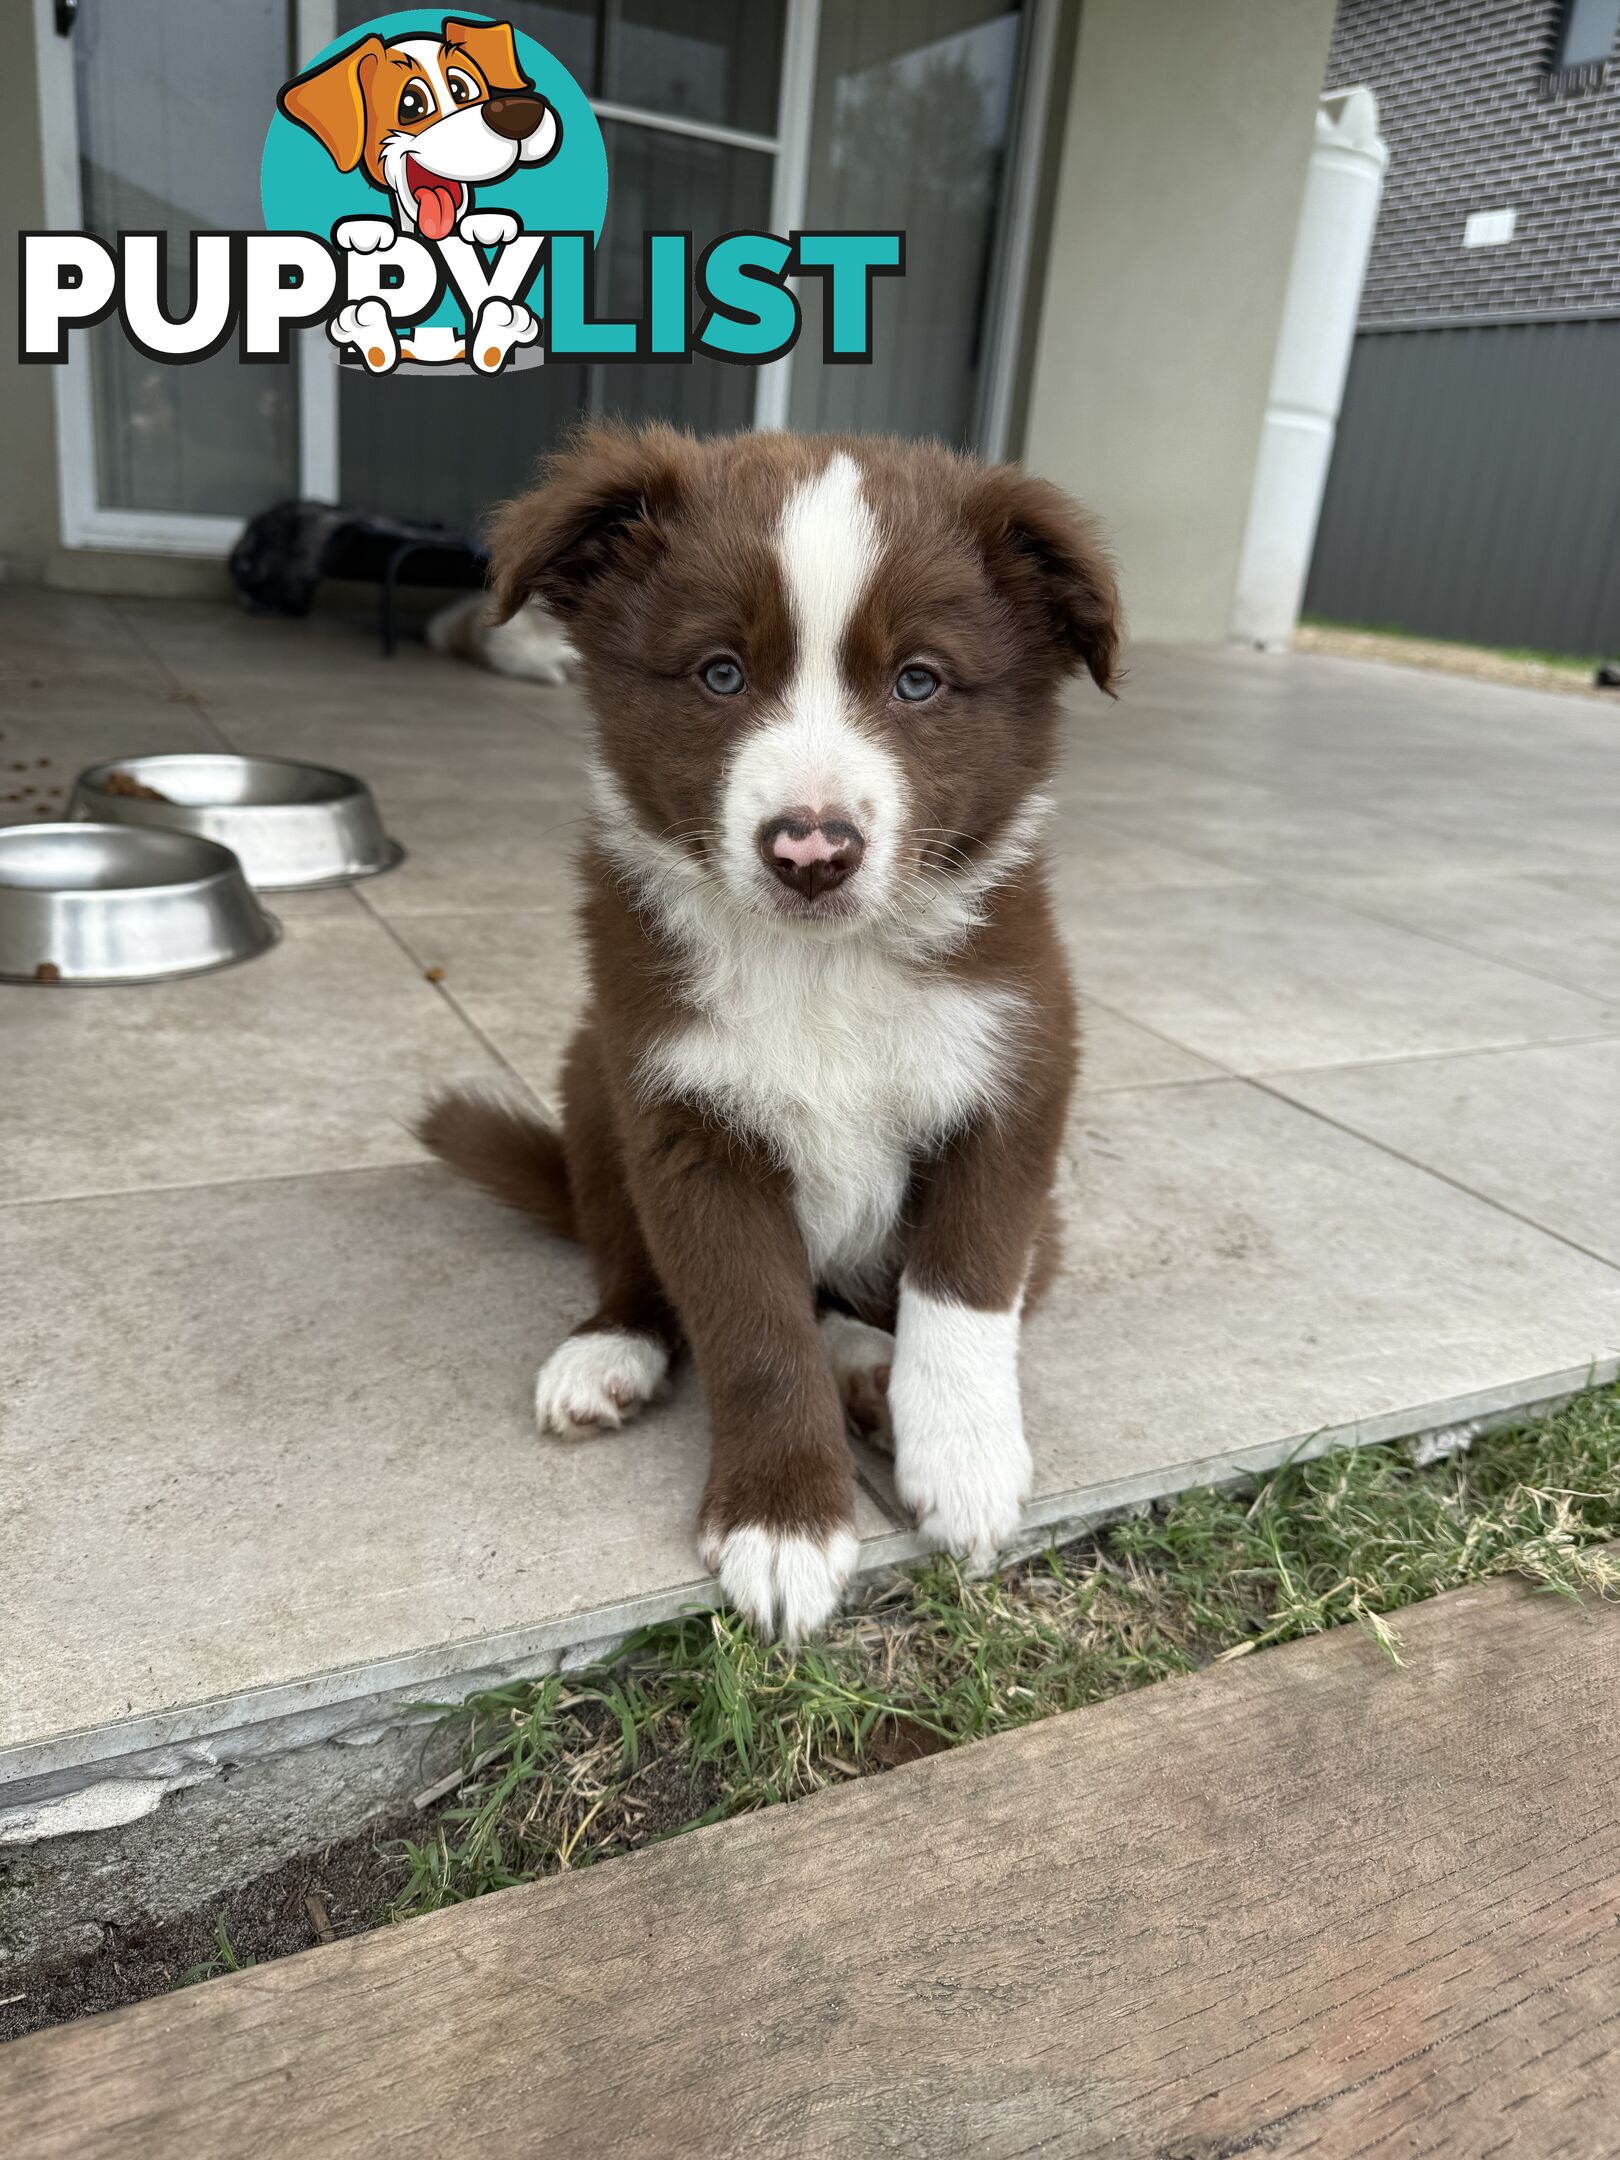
column 291, row 825
column 109, row 904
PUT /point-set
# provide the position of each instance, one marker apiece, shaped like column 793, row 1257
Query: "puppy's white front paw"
column 367, row 324
column 961, row 1463
column 489, row 228
column 862, row 1358
column 365, row 235
column 501, row 325
column 598, row 1378
column 785, row 1582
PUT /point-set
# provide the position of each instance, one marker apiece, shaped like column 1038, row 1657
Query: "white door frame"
column 1014, row 237
column 87, row 523
column 84, row 521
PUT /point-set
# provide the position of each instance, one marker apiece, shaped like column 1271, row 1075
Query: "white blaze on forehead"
column 829, row 546
column 810, row 753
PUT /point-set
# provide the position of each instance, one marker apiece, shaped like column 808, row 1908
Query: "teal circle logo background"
column 301, row 190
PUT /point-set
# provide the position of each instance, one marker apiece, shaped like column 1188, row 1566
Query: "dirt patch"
column 345, row 1889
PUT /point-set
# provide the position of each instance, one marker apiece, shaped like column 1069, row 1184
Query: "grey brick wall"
column 1475, row 122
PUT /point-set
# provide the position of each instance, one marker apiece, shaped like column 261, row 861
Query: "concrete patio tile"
column 75, row 725
column 1116, row 1053
column 1241, row 1276
column 1090, row 859
column 1264, row 980
column 44, row 635
column 1536, row 1130
column 270, row 1446
column 517, row 977
column 1268, row 834
column 1566, row 928
column 310, row 1057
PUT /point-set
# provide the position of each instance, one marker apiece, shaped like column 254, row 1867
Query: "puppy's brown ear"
column 493, row 51
column 601, row 503
column 331, row 101
column 1049, row 563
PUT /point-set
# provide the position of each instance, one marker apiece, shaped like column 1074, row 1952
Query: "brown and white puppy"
column 819, row 1090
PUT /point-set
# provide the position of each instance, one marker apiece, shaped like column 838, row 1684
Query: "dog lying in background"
column 531, row 645
column 812, row 1115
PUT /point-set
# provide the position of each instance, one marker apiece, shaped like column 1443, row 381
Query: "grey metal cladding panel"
column 1475, row 487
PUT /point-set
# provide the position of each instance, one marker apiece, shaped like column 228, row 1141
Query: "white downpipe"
column 1336, row 220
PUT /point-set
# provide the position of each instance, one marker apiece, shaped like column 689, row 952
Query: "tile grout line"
column 203, row 1185
column 455, row 1005
column 193, row 698
column 1440, row 1057
column 1435, row 937
column 1281, row 883
column 1444, row 1177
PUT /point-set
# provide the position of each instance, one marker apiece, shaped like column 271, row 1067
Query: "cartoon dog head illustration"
column 427, row 118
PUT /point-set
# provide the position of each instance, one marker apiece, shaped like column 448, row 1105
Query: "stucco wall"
column 1186, row 135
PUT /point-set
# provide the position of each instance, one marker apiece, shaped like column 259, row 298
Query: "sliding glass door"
column 718, row 115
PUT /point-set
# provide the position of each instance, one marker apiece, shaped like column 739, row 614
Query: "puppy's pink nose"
column 811, row 853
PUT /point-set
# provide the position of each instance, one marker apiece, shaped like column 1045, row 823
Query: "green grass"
column 1582, row 663
column 224, row 1959
column 695, row 1719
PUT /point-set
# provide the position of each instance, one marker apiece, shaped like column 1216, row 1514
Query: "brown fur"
column 657, row 552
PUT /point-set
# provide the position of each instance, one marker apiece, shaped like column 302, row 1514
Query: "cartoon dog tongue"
column 436, row 209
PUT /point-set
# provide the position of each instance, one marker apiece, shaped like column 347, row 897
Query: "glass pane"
column 715, row 60
column 1589, row 29
column 163, row 93
column 443, row 449
column 910, row 135
column 674, row 183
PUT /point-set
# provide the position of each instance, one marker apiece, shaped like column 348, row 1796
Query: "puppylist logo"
column 434, row 190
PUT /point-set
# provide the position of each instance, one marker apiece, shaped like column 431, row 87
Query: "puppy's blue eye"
column 723, row 677
column 915, row 685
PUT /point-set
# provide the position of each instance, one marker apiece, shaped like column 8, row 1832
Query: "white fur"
column 809, row 754
column 784, row 1583
column 596, row 1379
column 861, row 1358
column 843, row 1055
column 532, row 647
column 961, row 1462
column 854, row 1350
column 844, row 1063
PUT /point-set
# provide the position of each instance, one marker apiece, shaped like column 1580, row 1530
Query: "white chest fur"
column 844, row 1062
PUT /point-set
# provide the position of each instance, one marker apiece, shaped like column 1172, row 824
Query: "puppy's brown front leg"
column 778, row 1513
column 961, row 1462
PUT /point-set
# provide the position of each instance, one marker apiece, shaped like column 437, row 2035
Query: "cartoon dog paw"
column 365, row 235
column 366, row 324
column 501, row 325
column 489, row 228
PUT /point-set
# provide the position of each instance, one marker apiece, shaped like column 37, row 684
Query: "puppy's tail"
column 513, row 1154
